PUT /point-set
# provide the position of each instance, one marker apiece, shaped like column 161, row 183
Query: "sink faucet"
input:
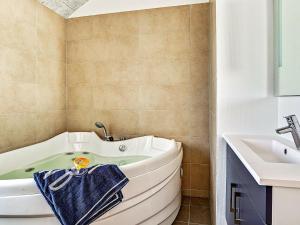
column 292, row 127
column 107, row 137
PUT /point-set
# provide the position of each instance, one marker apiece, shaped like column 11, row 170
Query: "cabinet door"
column 232, row 187
column 247, row 215
column 247, row 203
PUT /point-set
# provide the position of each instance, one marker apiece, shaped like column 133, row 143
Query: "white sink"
column 271, row 150
column 271, row 160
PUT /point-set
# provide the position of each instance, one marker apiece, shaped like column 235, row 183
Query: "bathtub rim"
column 168, row 212
column 130, row 170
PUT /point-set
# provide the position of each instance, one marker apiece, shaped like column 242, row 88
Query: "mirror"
column 287, row 47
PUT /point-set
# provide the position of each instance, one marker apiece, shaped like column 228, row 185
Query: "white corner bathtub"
column 152, row 195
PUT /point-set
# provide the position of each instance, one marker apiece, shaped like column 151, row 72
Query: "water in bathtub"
column 65, row 161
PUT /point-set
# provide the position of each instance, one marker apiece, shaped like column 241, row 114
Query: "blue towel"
column 79, row 198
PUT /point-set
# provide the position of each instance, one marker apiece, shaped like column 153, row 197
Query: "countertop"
column 265, row 173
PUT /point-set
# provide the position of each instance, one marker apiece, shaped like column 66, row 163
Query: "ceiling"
column 65, row 8
column 79, row 8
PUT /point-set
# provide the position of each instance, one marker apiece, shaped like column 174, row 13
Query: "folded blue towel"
column 79, row 198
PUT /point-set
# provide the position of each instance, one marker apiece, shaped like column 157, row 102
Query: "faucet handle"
column 290, row 116
column 292, row 120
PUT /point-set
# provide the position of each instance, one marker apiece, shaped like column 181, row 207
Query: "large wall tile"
column 199, row 147
column 80, row 120
column 197, row 121
column 196, row 149
column 148, row 72
column 123, row 71
column 89, row 50
column 85, row 25
column 7, row 99
column 51, row 47
column 21, row 129
column 199, row 66
column 159, row 97
column 5, row 140
column 51, row 98
column 49, row 23
column 80, row 97
column 32, row 73
column 17, row 65
column 166, row 123
column 54, row 122
column 24, row 98
column 174, row 71
column 200, row 176
column 15, row 11
column 25, row 40
column 115, row 23
column 171, row 45
column 50, row 72
column 186, row 180
column 116, row 97
column 164, row 20
column 82, row 73
column 199, row 29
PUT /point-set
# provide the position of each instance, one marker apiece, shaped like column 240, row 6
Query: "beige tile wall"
column 212, row 110
column 32, row 73
column 144, row 72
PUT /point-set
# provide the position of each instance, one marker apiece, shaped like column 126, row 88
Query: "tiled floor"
column 193, row 211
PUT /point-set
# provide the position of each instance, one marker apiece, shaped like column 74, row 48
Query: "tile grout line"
column 189, row 217
column 66, row 77
column 36, row 68
column 190, row 72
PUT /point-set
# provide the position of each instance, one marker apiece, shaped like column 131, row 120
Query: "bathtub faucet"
column 107, row 137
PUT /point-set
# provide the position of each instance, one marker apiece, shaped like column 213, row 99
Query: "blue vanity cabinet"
column 247, row 214
column 232, row 180
column 247, row 203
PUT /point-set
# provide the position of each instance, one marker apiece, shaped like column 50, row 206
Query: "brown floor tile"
column 200, row 201
column 199, row 214
column 180, row 223
column 198, row 224
column 193, row 211
column 183, row 215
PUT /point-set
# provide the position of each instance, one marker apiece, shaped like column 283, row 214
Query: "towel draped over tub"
column 79, row 198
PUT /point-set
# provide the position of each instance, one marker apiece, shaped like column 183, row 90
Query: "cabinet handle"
column 236, row 213
column 232, row 186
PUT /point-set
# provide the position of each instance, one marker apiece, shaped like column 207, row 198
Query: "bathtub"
column 151, row 197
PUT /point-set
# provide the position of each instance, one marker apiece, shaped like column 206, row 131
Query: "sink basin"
column 271, row 160
column 271, row 150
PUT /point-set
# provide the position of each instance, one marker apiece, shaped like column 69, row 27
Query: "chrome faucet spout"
column 107, row 137
column 293, row 127
column 284, row 130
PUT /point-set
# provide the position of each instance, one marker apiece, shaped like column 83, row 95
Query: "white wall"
column 96, row 7
column 245, row 102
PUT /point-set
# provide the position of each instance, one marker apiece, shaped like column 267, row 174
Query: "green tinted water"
column 65, row 161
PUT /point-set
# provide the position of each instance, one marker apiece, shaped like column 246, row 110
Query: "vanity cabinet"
column 247, row 203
